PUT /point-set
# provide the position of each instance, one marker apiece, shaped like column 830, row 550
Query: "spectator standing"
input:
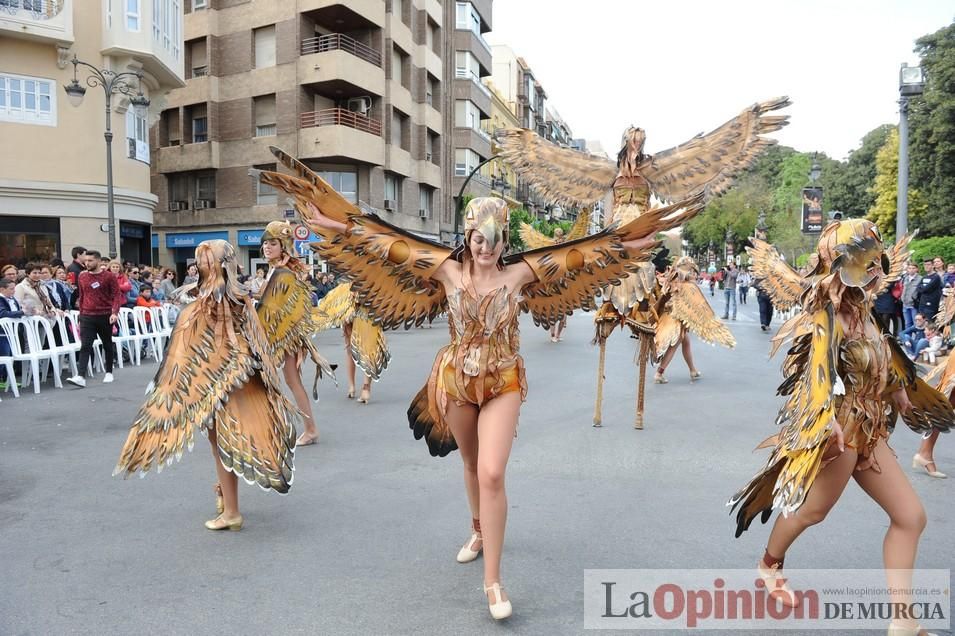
column 192, row 275
column 765, row 308
column 99, row 302
column 78, row 264
column 32, row 293
column 886, row 308
column 949, row 278
column 168, row 284
column 59, row 292
column 744, row 280
column 729, row 289
column 910, row 285
column 257, row 283
column 929, row 291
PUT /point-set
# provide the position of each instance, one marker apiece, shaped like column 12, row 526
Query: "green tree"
column 518, row 216
column 932, row 139
column 885, row 189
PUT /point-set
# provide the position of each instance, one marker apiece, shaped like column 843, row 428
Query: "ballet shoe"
column 499, row 609
column 920, row 462
column 466, row 554
column 220, row 523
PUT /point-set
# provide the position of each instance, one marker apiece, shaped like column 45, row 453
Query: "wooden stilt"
column 600, row 382
column 644, row 353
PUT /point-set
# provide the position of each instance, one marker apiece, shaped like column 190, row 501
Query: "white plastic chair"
column 33, row 354
column 147, row 326
column 7, row 363
column 44, row 330
column 129, row 337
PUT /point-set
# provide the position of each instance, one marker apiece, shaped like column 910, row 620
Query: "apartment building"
column 53, row 174
column 363, row 91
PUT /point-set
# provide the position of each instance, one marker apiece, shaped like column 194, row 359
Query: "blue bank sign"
column 175, row 241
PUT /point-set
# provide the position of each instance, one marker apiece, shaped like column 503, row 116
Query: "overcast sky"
column 679, row 67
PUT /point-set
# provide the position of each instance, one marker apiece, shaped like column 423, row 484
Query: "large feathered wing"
column 534, row 239
column 285, row 311
column 942, row 377
column 688, row 305
column 931, row 409
column 898, row 256
column 571, row 274
column 206, row 380
column 806, row 420
column 335, row 309
column 708, row 163
column 368, row 346
column 562, row 175
column 581, row 226
column 774, row 276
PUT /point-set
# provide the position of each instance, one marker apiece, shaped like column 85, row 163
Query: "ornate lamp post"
column 111, row 83
column 761, row 227
column 911, row 84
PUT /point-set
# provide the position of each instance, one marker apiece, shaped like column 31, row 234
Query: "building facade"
column 365, row 92
column 53, row 175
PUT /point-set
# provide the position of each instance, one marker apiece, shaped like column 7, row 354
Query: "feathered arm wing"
column 689, row 306
column 533, row 239
column 206, row 380
column 335, row 309
column 783, row 284
column 368, row 346
column 570, row 274
column 581, row 226
column 708, row 163
column 898, row 256
column 285, row 312
column 931, row 409
column 566, row 176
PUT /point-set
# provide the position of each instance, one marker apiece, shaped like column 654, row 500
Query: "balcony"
column 351, row 16
column 39, row 20
column 474, row 139
column 338, row 133
column 196, row 156
column 339, row 65
column 470, row 41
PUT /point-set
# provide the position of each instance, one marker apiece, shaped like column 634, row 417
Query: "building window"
column 465, row 160
column 198, row 58
column 396, row 8
column 467, row 18
column 27, row 100
column 264, row 107
column 132, row 15
column 397, row 61
column 205, row 190
column 167, row 25
column 264, row 44
column 431, row 91
column 199, row 4
column 265, row 194
column 178, row 192
column 198, row 123
column 399, row 123
column 466, row 114
column 433, row 149
column 345, row 182
column 137, row 135
column 392, row 191
column 466, row 65
column 169, row 122
column 425, row 201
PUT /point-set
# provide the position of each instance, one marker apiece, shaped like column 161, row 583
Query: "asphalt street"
column 365, row 543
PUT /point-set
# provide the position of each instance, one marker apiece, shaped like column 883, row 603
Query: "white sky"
column 679, row 67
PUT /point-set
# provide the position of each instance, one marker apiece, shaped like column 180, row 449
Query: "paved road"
column 365, row 542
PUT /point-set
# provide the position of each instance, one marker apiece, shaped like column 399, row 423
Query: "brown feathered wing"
column 774, row 276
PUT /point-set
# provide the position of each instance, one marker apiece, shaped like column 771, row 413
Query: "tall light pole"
column 112, row 83
column 911, row 84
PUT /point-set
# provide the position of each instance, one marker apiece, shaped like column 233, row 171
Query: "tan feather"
column 898, row 255
column 335, row 309
column 368, row 346
column 534, row 239
column 776, row 278
column 689, row 306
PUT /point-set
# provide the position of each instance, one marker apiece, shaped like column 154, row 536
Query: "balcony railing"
column 340, row 117
column 39, row 9
column 336, row 42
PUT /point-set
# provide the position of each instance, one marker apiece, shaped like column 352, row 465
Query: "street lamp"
column 815, row 171
column 911, row 84
column 112, row 83
column 500, row 184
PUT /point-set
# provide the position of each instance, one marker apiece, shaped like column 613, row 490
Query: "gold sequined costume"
column 840, row 366
column 706, row 164
column 391, row 272
column 217, row 374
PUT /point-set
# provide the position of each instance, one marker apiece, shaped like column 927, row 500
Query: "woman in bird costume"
column 942, row 377
column 845, row 382
column 218, row 377
column 365, row 344
column 682, row 309
column 285, row 311
column 706, row 164
column 473, row 395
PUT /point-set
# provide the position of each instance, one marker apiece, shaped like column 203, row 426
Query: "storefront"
column 249, row 253
column 183, row 247
column 133, row 245
column 25, row 238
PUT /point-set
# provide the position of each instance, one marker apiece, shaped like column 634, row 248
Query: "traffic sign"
column 302, row 247
column 301, row 232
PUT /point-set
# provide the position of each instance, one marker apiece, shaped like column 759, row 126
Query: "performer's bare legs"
column 352, row 367
column 925, row 457
column 293, row 378
column 228, row 484
column 668, row 356
column 557, row 330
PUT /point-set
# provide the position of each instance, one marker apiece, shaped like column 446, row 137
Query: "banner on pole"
column 812, row 218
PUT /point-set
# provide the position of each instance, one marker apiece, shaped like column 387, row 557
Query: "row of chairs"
column 43, row 344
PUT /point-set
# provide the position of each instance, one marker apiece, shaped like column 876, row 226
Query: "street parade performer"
column 218, row 377
column 705, row 164
column 365, row 343
column 285, row 311
column 473, row 396
column 846, row 382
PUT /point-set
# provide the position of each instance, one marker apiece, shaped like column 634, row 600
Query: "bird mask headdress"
column 489, row 216
column 854, row 249
column 686, row 268
column 282, row 232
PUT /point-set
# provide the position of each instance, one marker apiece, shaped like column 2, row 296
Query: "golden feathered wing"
column 285, row 311
column 206, row 380
column 708, row 163
column 898, row 255
column 774, row 276
column 688, row 307
column 368, row 346
column 931, row 409
column 335, row 309
column 563, row 175
column 812, row 384
column 534, row 239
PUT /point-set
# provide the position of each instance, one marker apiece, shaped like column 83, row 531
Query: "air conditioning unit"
column 423, row 214
column 202, row 204
column 178, row 206
column 200, row 71
column 132, row 148
column 360, row 105
column 390, row 205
